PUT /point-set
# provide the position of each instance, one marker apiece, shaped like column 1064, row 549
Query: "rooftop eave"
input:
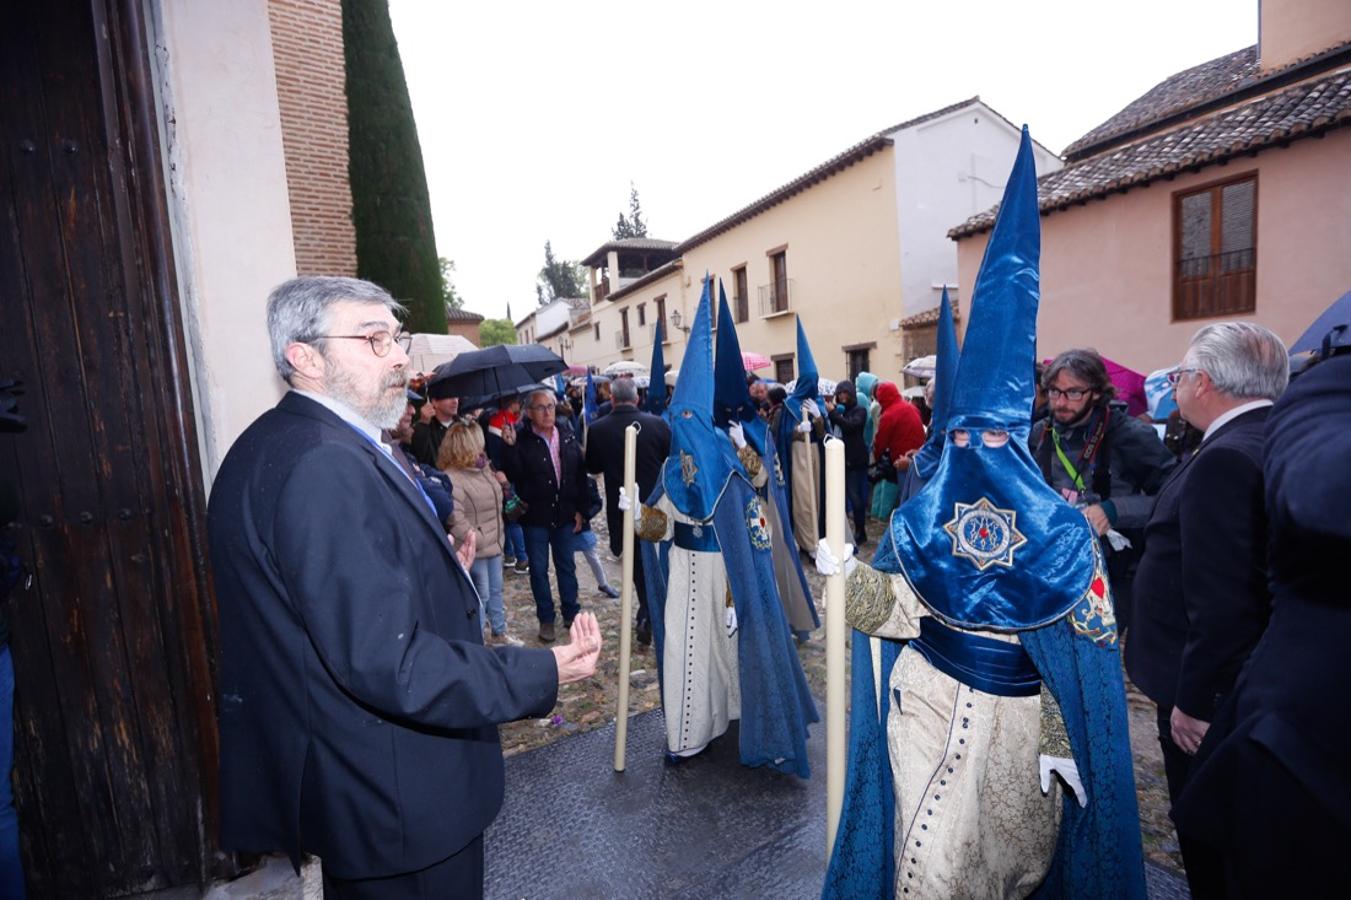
column 838, row 164
column 1263, row 83
column 655, row 275
column 1280, row 137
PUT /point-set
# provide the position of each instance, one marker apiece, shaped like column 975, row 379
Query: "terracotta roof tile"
column 462, row 315
column 832, row 166
column 1305, row 109
column 598, row 255
column 930, row 316
column 1173, row 94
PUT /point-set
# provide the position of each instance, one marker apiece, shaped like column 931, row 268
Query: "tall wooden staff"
column 626, row 597
column 835, row 629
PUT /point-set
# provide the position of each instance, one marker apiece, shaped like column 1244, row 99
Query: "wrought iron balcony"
column 776, row 298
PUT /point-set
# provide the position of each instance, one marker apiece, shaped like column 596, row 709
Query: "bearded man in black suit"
column 1201, row 596
column 358, row 705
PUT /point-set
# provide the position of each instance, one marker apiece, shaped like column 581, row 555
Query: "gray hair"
column 530, row 397
column 297, row 311
column 1243, row 359
column 623, row 390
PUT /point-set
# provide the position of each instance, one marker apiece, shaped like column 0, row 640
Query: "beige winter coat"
column 478, row 506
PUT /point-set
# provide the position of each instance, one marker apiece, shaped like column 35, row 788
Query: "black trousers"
column 640, row 587
column 458, row 875
column 1205, row 871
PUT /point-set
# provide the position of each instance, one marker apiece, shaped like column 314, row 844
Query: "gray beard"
column 384, row 411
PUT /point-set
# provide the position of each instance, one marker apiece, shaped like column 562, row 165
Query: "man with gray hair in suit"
column 1201, row 596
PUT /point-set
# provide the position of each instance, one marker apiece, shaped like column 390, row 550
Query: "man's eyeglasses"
column 545, row 407
column 1176, row 375
column 1075, row 394
column 381, row 341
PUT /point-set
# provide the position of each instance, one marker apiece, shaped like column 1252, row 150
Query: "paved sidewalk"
column 572, row 827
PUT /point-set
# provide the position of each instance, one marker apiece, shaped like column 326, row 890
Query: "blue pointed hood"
column 731, row 395
column 808, row 377
column 986, row 543
column 1001, row 333
column 702, row 457
column 945, row 374
column 656, row 385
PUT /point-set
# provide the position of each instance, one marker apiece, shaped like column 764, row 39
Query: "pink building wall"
column 1106, row 267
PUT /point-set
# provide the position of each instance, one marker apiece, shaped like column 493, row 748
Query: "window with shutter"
column 1215, row 249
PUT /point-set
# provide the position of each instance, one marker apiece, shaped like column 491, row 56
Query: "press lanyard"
column 1065, row 461
column 426, row 498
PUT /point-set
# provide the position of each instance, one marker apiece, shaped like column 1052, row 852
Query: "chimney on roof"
column 1291, row 30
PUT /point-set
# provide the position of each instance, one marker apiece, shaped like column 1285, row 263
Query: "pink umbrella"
column 1130, row 386
column 752, row 361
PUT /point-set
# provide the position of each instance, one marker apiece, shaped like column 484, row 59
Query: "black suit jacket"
column 551, row 501
column 357, row 702
column 1270, row 782
column 427, row 440
column 605, row 454
column 1201, row 596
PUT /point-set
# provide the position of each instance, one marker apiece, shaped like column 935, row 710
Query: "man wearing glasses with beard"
column 357, row 703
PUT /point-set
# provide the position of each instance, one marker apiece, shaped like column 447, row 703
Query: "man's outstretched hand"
column 577, row 659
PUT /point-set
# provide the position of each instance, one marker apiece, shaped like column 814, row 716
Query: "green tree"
column 558, row 278
column 636, row 214
column 492, row 332
column 633, row 225
column 391, row 210
column 448, row 294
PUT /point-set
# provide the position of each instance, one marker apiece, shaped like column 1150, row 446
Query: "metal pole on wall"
column 835, row 632
column 626, row 598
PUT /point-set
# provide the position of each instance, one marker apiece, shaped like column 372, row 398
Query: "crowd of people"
column 1030, row 531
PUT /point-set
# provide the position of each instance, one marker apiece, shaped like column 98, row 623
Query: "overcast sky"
column 534, row 117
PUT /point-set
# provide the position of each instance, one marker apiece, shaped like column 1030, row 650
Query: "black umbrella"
column 494, row 372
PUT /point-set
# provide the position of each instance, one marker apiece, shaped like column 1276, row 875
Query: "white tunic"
column 971, row 819
column 701, row 688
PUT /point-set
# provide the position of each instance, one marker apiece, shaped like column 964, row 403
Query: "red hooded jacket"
column 899, row 428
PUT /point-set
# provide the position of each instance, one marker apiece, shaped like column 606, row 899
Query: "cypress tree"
column 391, row 210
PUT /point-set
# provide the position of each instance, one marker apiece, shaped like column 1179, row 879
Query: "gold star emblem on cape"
column 984, row 534
column 687, row 468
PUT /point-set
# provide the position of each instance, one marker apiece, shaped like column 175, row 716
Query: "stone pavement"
column 573, row 827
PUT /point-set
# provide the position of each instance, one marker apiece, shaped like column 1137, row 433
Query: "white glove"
column 1069, row 772
column 812, row 409
column 731, row 621
column 1118, row 540
column 737, row 434
column 625, row 502
column 828, row 565
column 804, row 426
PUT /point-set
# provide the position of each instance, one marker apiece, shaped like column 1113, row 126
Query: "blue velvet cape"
column 1099, row 853
column 776, row 704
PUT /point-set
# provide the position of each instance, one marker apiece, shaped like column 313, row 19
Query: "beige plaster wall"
column 841, row 239
column 1292, row 29
column 1106, row 267
column 226, row 174
column 587, row 350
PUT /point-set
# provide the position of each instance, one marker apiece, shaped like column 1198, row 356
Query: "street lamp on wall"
column 675, row 322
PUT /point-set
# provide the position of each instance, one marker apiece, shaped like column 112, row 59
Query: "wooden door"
column 115, row 743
